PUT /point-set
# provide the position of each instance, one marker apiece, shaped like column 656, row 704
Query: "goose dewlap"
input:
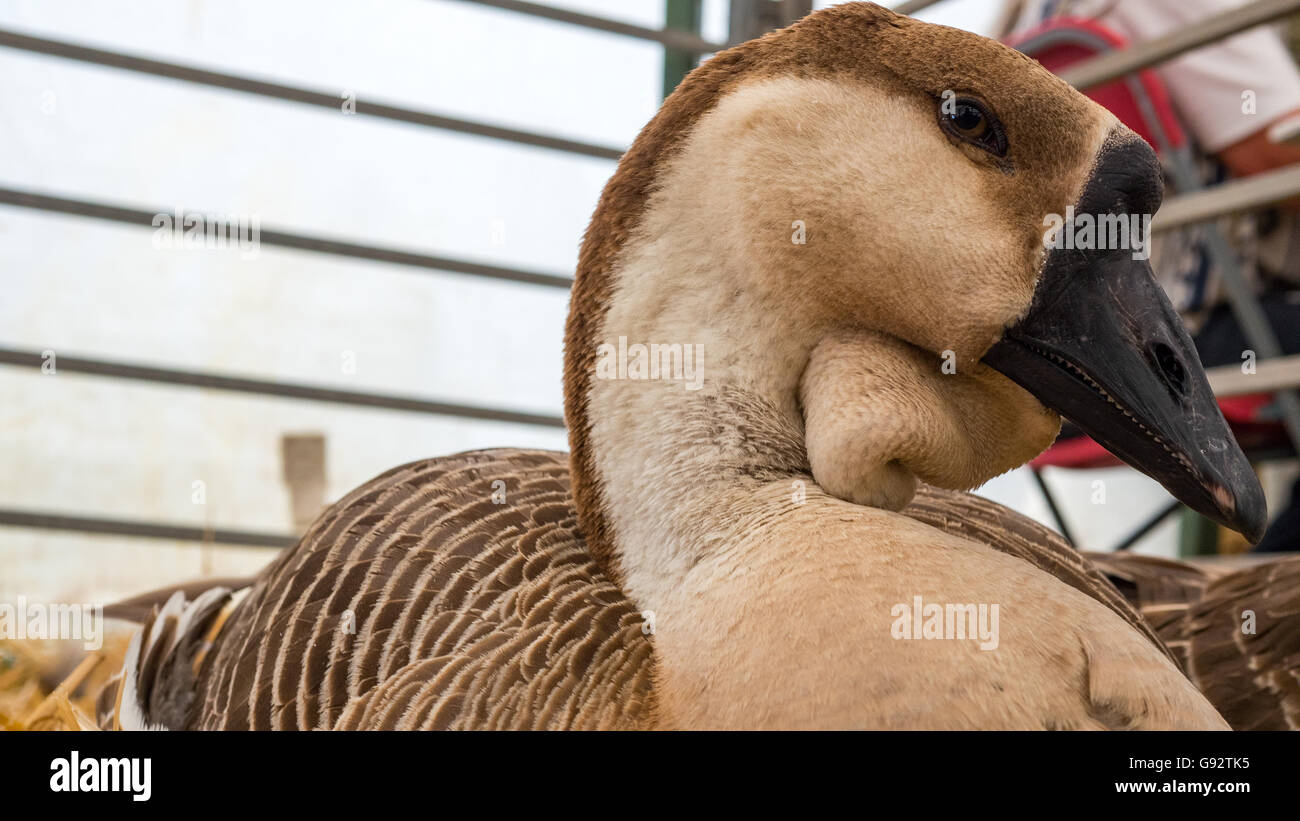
column 731, row 556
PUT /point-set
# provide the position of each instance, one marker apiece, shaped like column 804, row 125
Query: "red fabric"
column 1076, row 452
column 1245, row 409
column 1254, row 427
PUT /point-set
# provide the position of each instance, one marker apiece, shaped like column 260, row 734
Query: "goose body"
column 734, row 553
column 488, row 617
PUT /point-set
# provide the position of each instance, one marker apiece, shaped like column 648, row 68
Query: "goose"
column 845, row 218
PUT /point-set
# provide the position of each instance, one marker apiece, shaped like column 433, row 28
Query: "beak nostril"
column 1171, row 367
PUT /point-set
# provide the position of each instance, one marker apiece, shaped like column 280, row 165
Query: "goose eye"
column 970, row 121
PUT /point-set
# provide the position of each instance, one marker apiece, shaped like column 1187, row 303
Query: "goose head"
column 849, row 220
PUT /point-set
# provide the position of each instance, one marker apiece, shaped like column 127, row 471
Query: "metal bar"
column 1051, row 506
column 215, row 79
column 1148, row 526
column 263, row 387
column 1244, row 194
column 148, row 530
column 286, row 239
column 1270, row 375
column 673, row 39
column 1107, row 67
column 913, row 6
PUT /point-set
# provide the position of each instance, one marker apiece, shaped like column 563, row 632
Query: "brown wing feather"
column 416, row 602
column 1151, row 580
column 1249, row 670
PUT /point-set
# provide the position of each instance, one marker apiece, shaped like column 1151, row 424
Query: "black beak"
column 1102, row 346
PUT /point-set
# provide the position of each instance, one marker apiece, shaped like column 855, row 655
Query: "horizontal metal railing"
column 671, row 38
column 264, row 387
column 287, row 239
column 1224, row 199
column 1114, row 64
column 39, row 520
column 296, row 94
column 1269, row 375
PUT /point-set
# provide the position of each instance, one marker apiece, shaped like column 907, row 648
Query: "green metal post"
column 683, row 15
column 1197, row 535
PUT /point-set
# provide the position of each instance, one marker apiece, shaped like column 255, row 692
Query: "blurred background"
column 171, row 412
